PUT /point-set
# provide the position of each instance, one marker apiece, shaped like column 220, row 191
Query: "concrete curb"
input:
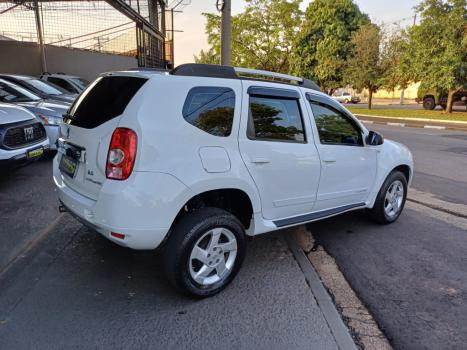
column 414, row 122
column 336, row 325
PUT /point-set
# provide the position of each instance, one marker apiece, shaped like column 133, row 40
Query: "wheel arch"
column 234, row 200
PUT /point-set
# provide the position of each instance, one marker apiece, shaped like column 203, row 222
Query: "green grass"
column 408, row 113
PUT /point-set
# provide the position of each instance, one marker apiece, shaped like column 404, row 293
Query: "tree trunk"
column 450, row 100
column 370, row 98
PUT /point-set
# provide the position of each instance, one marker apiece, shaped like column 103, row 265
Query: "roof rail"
column 217, row 71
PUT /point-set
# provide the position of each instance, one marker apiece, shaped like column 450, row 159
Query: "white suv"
column 196, row 159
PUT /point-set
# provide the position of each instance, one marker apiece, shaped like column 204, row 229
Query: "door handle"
column 260, row 160
column 329, row 161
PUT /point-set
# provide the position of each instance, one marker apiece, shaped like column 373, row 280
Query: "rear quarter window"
column 210, row 109
column 106, row 98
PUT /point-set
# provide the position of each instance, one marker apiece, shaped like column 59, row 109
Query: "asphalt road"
column 28, row 205
column 73, row 289
column 440, row 159
column 78, row 290
column 412, row 274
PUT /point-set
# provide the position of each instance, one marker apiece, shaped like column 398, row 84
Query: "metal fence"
column 135, row 28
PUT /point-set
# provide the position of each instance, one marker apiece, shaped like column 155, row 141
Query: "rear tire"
column 390, row 200
column 204, row 252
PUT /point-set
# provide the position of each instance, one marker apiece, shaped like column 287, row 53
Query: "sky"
column 193, row 38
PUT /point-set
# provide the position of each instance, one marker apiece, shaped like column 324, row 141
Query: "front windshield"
column 14, row 93
column 44, row 87
column 82, row 83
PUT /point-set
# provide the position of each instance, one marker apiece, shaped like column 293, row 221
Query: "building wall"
column 409, row 93
column 24, row 58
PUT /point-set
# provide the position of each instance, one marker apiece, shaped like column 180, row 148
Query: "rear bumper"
column 139, row 208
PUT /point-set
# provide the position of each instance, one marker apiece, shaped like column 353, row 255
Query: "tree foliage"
column 324, row 42
column 396, row 61
column 262, row 35
column 438, row 46
column 365, row 67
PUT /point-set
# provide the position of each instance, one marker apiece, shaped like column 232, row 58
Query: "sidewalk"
column 413, row 122
column 77, row 290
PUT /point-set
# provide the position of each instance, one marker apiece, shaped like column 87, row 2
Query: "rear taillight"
column 122, row 154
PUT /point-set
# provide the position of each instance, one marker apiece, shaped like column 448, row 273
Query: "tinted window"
column 105, row 99
column 210, row 109
column 63, row 84
column 14, row 93
column 82, row 83
column 275, row 119
column 334, row 127
column 44, row 87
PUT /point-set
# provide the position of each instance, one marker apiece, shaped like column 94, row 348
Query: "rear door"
column 88, row 129
column 277, row 147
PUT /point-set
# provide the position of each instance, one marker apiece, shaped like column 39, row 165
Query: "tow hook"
column 62, row 209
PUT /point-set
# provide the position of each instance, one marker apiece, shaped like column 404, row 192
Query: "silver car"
column 49, row 113
column 22, row 137
column 346, row 97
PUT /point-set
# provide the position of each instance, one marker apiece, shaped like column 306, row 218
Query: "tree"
column 396, row 61
column 323, row 44
column 262, row 36
column 438, row 46
column 364, row 69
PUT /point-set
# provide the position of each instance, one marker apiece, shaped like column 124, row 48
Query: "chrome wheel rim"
column 213, row 256
column 394, row 199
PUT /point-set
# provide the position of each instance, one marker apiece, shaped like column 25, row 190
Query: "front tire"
column 429, row 103
column 204, row 252
column 390, row 200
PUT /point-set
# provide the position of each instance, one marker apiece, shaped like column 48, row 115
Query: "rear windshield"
column 105, row 99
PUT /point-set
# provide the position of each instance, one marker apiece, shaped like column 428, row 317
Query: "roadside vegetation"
column 335, row 44
column 407, row 113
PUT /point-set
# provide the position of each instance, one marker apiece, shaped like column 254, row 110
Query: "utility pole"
column 226, row 30
column 40, row 36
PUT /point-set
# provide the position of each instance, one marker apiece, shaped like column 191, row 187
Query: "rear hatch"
column 87, row 131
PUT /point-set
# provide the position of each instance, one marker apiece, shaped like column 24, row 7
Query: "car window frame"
column 213, row 87
column 336, row 107
column 278, row 94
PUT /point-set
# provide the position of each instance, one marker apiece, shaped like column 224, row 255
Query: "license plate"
column 68, row 166
column 35, row 153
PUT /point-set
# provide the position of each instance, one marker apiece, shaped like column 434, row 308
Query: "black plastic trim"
column 205, row 70
column 273, row 92
column 228, row 72
column 29, row 122
column 317, row 215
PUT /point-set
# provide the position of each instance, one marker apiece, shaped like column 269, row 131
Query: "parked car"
column 345, row 97
column 22, row 137
column 41, row 88
column 50, row 113
column 430, row 98
column 70, row 83
column 199, row 158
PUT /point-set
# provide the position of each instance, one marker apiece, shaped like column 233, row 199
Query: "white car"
column 196, row 159
column 22, row 137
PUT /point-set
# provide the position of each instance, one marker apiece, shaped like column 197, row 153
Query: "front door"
column 277, row 146
column 348, row 166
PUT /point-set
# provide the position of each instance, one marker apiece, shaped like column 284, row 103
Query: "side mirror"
column 374, row 139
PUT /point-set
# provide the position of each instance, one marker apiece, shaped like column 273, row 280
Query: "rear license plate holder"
column 35, row 153
column 68, row 166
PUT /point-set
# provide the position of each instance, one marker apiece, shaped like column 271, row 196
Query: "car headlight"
column 49, row 119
